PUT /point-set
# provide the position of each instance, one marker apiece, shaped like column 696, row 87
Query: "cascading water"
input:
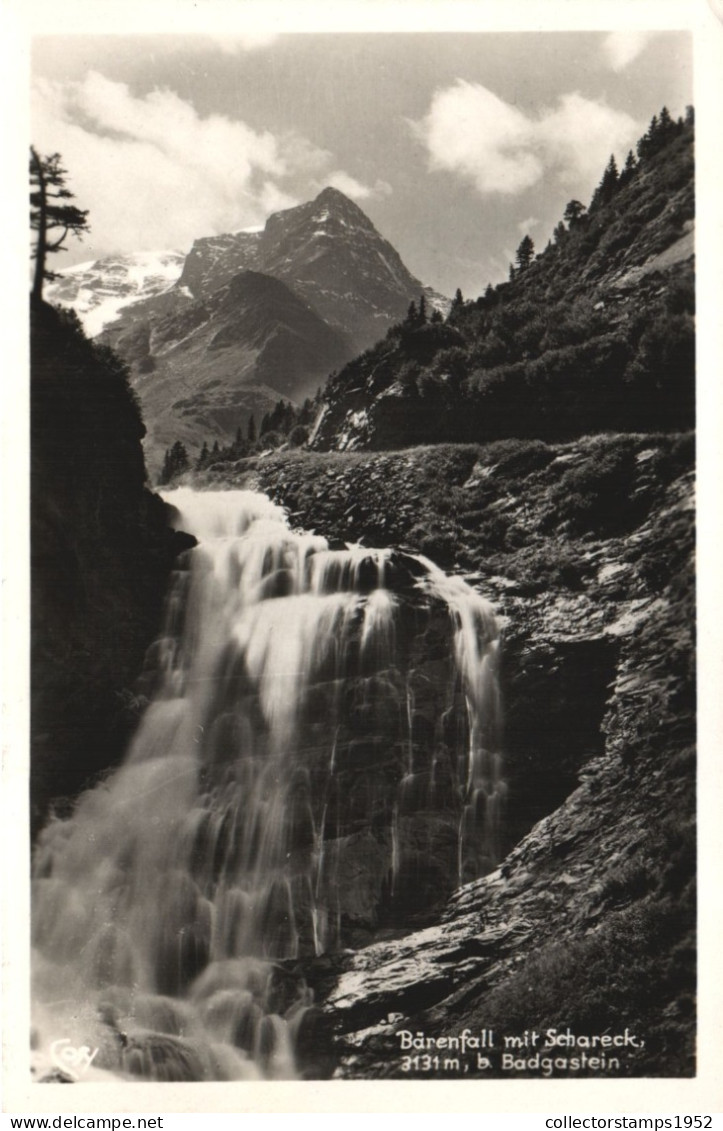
column 319, row 756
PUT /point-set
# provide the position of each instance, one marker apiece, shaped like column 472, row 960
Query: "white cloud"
column 470, row 131
column 350, row 186
column 301, row 155
column 524, row 226
column 580, row 134
column 153, row 173
column 273, row 199
column 382, row 188
column 621, row 47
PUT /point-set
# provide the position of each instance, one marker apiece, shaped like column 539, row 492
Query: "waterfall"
column 319, row 756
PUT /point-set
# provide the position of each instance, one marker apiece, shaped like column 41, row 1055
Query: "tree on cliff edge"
column 525, row 253
column 49, row 214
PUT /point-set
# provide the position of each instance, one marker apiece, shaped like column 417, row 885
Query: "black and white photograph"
column 361, row 624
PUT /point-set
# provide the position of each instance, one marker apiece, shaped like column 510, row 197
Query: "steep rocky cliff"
column 101, row 556
column 585, row 549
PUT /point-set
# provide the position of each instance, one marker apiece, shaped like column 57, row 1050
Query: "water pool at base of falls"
column 319, row 755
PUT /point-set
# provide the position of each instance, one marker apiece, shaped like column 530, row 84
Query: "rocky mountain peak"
column 253, row 315
column 331, row 226
column 330, row 205
column 334, row 197
column 339, row 206
column 214, row 260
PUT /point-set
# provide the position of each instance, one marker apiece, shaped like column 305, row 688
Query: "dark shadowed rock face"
column 225, row 358
column 101, row 556
column 555, row 695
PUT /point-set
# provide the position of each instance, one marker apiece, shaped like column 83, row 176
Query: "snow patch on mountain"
column 99, row 289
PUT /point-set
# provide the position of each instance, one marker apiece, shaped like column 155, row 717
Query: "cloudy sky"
column 454, row 144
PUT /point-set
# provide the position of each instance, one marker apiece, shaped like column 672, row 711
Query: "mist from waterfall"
column 320, row 750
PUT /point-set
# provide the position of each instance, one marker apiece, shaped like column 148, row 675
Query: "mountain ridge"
column 214, row 362
column 326, row 252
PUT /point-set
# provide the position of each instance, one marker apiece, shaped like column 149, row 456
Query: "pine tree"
column 175, row 462
column 608, row 186
column 524, row 253
column 203, row 457
column 422, row 317
column 666, row 126
column 573, row 212
column 282, row 418
column 648, row 143
column 179, row 457
column 458, row 299
column 307, row 413
column 611, row 175
column 48, row 214
column 251, row 434
column 629, row 169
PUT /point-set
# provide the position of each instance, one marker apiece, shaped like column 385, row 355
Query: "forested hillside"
column 595, row 333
